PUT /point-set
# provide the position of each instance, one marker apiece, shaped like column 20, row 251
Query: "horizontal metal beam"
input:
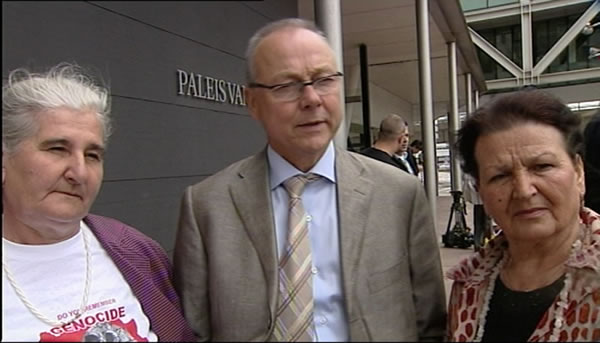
column 567, row 38
column 514, row 9
column 496, row 54
column 565, row 76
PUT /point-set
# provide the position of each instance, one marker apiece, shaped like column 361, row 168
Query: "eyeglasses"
column 290, row 91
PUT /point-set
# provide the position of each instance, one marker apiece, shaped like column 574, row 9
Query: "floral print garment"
column 582, row 315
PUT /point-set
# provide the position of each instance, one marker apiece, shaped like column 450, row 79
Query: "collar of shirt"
column 281, row 170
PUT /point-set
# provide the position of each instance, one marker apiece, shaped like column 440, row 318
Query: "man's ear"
column 250, row 96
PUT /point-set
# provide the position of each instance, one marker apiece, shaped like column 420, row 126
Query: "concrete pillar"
column 469, row 93
column 453, row 118
column 426, row 102
column 328, row 17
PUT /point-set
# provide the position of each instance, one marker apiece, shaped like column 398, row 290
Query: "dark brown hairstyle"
column 507, row 111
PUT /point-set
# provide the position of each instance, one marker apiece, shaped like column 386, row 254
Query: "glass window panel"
column 487, row 65
column 504, row 44
column 540, row 40
column 517, row 47
column 469, row 5
column 560, row 63
column 504, row 40
column 580, row 47
column 593, row 41
column 503, row 73
column 501, row 2
column 556, row 28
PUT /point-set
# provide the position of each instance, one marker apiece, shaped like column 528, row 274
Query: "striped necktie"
column 295, row 311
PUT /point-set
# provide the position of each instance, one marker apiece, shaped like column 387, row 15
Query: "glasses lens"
column 293, row 90
column 325, row 85
column 290, row 91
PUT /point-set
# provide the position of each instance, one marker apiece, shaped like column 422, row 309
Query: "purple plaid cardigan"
column 147, row 269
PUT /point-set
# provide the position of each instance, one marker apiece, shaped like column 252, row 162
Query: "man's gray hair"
column 25, row 95
column 279, row 25
column 391, row 127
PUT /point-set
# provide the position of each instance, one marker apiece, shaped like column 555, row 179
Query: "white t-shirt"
column 52, row 277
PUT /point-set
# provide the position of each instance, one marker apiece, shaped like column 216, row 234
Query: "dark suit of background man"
column 375, row 260
column 404, row 156
column 416, row 150
column 391, row 132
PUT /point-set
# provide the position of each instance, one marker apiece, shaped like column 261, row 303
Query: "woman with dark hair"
column 539, row 279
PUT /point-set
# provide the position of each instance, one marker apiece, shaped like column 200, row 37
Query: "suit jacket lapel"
column 354, row 193
column 252, row 198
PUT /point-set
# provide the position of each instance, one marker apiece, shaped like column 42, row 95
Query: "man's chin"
column 316, row 145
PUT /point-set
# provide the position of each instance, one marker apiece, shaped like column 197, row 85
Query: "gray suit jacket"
column 225, row 256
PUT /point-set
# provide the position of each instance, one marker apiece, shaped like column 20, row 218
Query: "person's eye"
column 94, row 156
column 497, row 177
column 543, row 166
column 325, row 81
column 57, row 149
column 285, row 88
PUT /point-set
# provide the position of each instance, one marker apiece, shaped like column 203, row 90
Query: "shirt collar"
column 281, row 170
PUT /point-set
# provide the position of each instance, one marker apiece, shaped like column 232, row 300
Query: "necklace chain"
column 21, row 294
column 559, row 309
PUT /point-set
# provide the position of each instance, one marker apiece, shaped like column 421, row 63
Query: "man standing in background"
column 403, row 155
column 389, row 138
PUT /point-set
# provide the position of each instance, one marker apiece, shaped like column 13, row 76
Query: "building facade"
column 175, row 73
column 549, row 44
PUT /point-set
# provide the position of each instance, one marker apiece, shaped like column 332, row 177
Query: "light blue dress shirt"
column 320, row 203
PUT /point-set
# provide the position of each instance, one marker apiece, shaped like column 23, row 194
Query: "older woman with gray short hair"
column 69, row 275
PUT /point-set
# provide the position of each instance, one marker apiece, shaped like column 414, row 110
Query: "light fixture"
column 594, row 52
column 588, row 29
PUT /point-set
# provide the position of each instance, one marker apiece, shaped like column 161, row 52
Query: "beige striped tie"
column 295, row 312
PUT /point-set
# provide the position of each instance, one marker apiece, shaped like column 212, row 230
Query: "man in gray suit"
column 376, row 272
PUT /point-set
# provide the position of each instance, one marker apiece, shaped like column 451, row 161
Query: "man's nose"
column 309, row 97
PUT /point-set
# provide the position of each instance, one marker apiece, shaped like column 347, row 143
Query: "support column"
column 328, row 17
column 426, row 102
column 469, row 93
column 352, row 84
column 364, row 94
column 526, row 42
column 453, row 119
